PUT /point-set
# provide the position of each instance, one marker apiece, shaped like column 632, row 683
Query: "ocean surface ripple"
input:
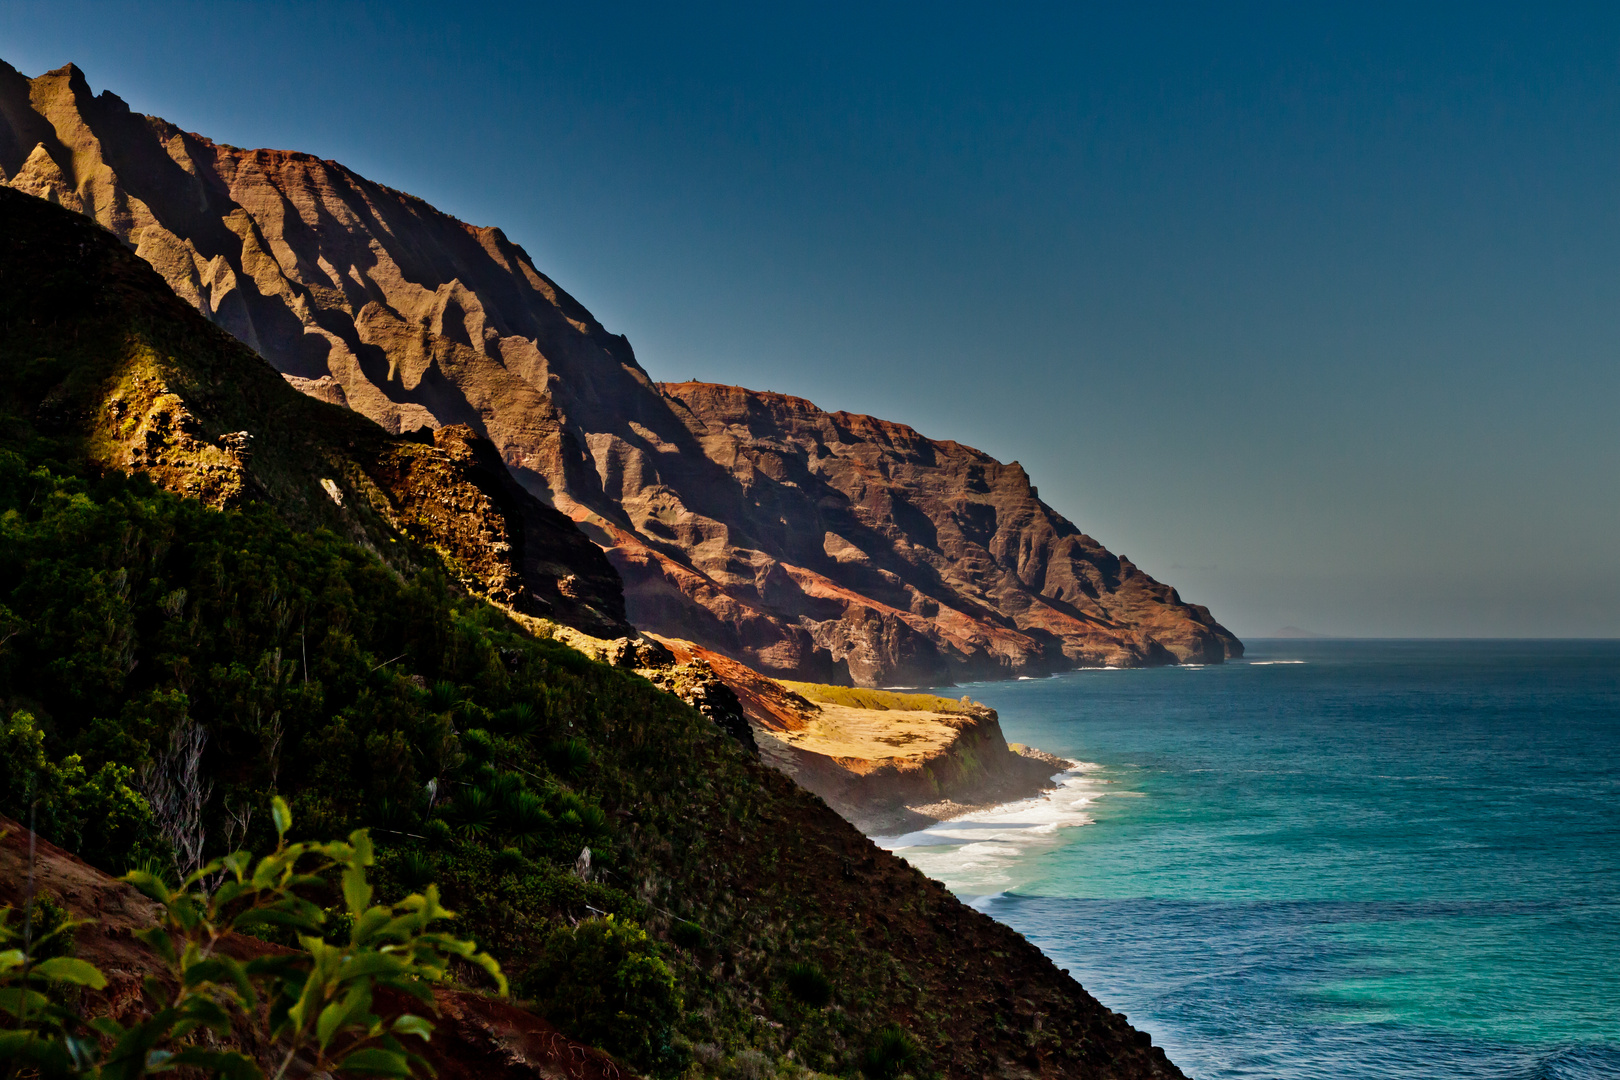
column 1338, row 859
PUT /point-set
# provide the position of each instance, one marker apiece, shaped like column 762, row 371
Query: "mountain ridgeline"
column 194, row 617
column 823, row 546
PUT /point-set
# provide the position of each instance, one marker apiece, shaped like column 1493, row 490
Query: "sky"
column 1313, row 311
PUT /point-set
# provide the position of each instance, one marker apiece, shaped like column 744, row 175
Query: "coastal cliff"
column 829, row 547
column 887, row 762
column 905, row 761
column 104, row 367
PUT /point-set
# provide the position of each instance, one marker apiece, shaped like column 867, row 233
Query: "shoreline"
column 979, row 851
column 919, row 817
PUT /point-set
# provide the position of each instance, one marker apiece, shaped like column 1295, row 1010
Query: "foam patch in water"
column 980, row 851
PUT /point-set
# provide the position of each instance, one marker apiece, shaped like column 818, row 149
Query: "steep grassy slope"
column 138, row 627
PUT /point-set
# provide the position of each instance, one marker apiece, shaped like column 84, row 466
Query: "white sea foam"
column 979, row 852
column 1268, row 663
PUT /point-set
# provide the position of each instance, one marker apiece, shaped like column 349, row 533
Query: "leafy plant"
column 319, row 997
column 893, row 1053
column 37, row 1030
column 474, row 812
column 414, row 870
column 810, row 985
column 570, row 757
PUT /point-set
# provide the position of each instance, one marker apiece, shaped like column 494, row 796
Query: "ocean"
column 1331, row 859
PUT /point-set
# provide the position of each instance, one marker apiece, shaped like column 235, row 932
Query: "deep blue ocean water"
column 1380, row 859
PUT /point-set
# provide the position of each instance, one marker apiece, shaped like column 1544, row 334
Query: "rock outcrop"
column 887, row 762
column 101, row 363
column 829, row 547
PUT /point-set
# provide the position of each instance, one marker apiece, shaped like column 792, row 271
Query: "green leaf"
column 368, row 925
column 411, row 1024
column 372, row 963
column 20, row 1001
column 30, row 1048
column 280, row 815
column 364, row 854
column 493, row 967
column 205, row 870
column 106, row 1025
column 237, row 862
column 157, row 939
column 150, row 884
column 224, row 1063
column 209, row 1013
column 420, row 1064
column 329, row 1021
column 229, row 893
column 418, row 988
column 356, row 892
column 68, row 969
column 375, row 1062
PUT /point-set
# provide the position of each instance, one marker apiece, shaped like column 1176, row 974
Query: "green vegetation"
column 809, row 985
column 318, row 998
column 893, row 1053
column 167, row 668
column 101, row 816
column 604, row 981
column 857, row 697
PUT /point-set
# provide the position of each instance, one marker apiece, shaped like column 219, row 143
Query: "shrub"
column 474, row 812
column 520, row 721
column 688, row 935
column 603, row 983
column 100, row 817
column 807, row 983
column 751, row 1065
column 530, row 824
column 445, row 696
column 414, row 870
column 509, row 861
column 892, row 1053
column 570, row 757
column 478, row 745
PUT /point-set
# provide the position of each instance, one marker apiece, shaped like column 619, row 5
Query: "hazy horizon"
column 1312, row 314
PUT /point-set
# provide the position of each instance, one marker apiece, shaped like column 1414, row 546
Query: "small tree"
column 603, row 983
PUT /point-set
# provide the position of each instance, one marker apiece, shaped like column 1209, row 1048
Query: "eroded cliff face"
column 828, row 547
column 100, row 362
column 914, row 560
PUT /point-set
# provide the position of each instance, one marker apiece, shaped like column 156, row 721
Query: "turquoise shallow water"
column 1383, row 859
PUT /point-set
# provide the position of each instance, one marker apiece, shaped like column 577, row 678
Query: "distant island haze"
column 1287, row 632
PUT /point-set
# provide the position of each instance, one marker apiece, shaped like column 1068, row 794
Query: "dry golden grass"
column 856, row 697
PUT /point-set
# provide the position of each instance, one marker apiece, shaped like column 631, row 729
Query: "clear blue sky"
column 1312, row 310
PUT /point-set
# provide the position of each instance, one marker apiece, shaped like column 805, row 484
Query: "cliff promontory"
column 821, row 546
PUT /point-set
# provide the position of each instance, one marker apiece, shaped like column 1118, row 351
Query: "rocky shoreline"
column 887, row 762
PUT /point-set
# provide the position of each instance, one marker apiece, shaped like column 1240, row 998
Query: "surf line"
column 978, row 850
